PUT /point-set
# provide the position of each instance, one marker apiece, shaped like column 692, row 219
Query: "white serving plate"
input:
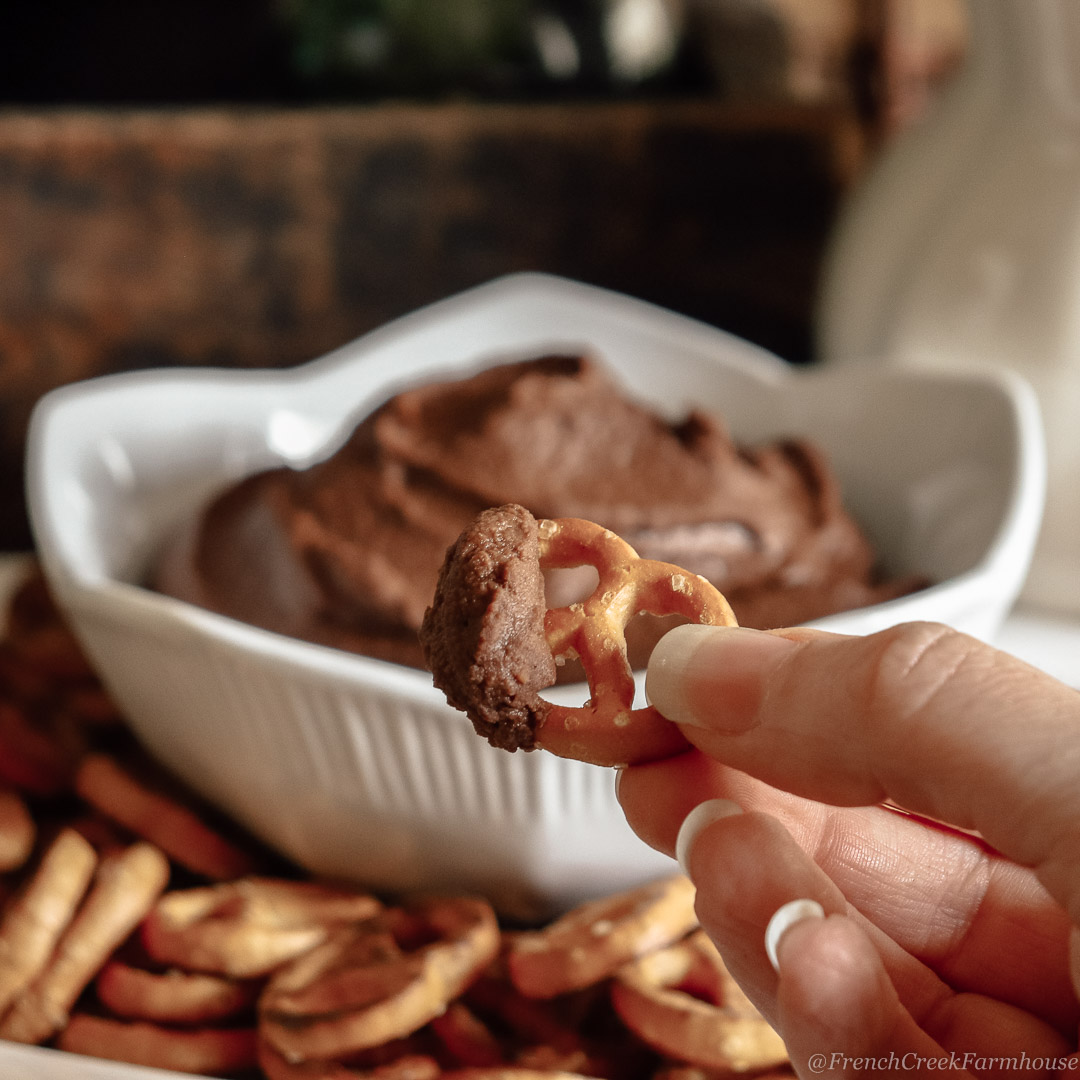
column 37, row 1063
column 357, row 767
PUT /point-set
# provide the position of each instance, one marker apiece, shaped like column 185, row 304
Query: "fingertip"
column 833, row 989
column 713, row 676
column 671, row 663
column 783, row 919
column 702, row 815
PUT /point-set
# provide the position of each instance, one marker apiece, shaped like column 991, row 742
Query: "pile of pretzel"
column 135, row 926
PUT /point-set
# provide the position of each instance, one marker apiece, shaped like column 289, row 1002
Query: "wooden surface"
column 263, row 237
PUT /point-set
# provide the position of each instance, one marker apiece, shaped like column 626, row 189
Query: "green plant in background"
column 483, row 46
column 411, row 45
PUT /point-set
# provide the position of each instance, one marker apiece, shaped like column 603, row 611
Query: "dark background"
column 123, row 51
column 206, row 183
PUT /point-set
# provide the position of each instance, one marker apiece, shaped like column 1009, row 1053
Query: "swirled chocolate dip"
column 347, row 553
column 483, row 636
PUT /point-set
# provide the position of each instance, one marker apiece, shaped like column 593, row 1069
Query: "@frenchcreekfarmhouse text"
column 913, row 1061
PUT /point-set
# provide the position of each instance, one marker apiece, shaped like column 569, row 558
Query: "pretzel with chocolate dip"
column 493, row 645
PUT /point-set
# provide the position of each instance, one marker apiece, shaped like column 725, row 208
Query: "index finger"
column 921, row 715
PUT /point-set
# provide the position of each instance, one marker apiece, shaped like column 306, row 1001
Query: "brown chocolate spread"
column 483, row 636
column 347, row 552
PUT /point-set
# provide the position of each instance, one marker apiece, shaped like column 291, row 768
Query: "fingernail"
column 703, row 814
column 784, row 918
column 618, row 780
column 713, row 676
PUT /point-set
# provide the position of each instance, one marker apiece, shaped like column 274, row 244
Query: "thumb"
column 929, row 718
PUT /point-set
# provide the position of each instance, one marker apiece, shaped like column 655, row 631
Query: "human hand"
column 933, row 948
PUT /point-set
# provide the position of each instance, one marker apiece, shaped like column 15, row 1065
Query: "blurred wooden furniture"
column 261, row 237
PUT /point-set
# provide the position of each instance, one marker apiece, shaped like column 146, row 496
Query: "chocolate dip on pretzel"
column 347, row 552
column 483, row 637
column 492, row 637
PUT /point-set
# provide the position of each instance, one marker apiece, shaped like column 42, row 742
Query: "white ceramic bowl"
column 357, row 767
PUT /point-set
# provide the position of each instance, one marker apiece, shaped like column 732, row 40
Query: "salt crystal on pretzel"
column 156, row 817
column 682, row 1001
column 172, row 996
column 124, row 889
column 39, row 916
column 213, row 1051
column 493, row 645
column 360, row 989
column 246, row 928
column 595, row 939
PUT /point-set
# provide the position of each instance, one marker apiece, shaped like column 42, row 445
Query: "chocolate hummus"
column 483, row 635
column 347, row 553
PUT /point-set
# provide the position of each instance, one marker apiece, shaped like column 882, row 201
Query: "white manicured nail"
column 692, row 667
column 784, row 919
column 703, row 814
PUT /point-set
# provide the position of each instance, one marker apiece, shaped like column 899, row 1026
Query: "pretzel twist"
column 607, row 729
column 214, row 1051
column 245, row 928
column 126, row 884
column 595, row 939
column 361, row 988
column 173, row 996
column 124, row 797
column 37, row 919
column 683, row 1002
